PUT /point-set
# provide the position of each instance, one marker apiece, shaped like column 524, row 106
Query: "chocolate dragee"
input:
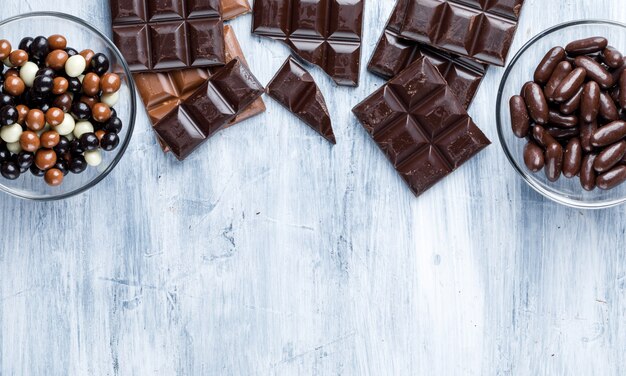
column 210, row 108
column 421, row 126
column 160, row 35
column 295, row 89
column 326, row 33
column 480, row 29
column 394, row 53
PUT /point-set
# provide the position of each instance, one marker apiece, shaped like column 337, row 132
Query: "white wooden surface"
column 270, row 252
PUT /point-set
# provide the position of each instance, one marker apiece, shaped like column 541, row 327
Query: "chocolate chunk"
column 294, row 88
column 480, row 29
column 324, row 33
column 421, row 126
column 234, row 8
column 172, row 34
column 210, row 108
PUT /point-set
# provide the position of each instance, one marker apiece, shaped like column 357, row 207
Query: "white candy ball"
column 93, row 157
column 67, row 125
column 82, row 127
column 110, row 99
column 28, row 73
column 11, row 133
column 14, row 147
column 75, row 66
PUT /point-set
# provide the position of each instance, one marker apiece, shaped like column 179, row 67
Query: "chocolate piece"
column 234, row 8
column 294, row 88
column 325, row 33
column 159, row 35
column 394, row 53
column 421, row 126
column 209, row 109
column 480, row 29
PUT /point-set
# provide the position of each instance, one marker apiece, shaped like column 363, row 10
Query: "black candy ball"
column 110, row 141
column 10, row 170
column 71, row 52
column 78, row 164
column 63, row 147
column 46, row 72
column 8, row 115
column 89, row 141
column 25, row 44
column 25, row 160
column 81, row 111
column 74, row 85
column 40, row 48
column 43, row 85
column 99, row 64
column 114, row 125
column 5, row 154
column 62, row 165
column 36, row 171
column 6, row 100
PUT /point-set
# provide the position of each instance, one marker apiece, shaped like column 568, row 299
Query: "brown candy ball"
column 110, row 83
column 22, row 112
column 55, row 116
column 50, row 139
column 64, row 102
column 45, row 159
column 88, row 55
column 35, row 120
column 53, row 177
column 11, row 73
column 91, row 84
column 5, row 49
column 29, row 141
column 14, row 86
column 56, row 59
column 101, row 112
column 18, row 58
column 60, row 85
column 57, row 42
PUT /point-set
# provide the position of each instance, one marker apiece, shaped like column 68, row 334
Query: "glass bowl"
column 80, row 35
column 521, row 69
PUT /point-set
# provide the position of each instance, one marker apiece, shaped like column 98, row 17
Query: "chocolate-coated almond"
column 554, row 161
column 609, row 157
column 571, row 105
column 590, row 102
column 612, row 57
column 586, row 132
column 595, row 71
column 542, row 137
column 560, row 72
column 573, row 158
column 533, row 157
column 520, row 121
column 587, row 173
column 536, row 103
column 609, row 134
column 586, row 46
column 570, row 85
column 608, row 110
column 563, row 133
column 560, row 120
column 612, row 179
column 548, row 64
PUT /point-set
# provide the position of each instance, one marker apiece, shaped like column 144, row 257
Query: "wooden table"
column 271, row 252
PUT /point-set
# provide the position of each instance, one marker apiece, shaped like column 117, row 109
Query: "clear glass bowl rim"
column 501, row 128
column 133, row 106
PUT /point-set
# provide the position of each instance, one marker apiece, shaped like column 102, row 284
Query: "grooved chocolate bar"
column 295, row 89
column 160, row 35
column 326, row 33
column 421, row 126
column 480, row 29
column 394, row 53
column 210, row 108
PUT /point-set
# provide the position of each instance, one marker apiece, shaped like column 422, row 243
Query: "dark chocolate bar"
column 421, row 126
column 210, row 108
column 161, row 35
column 326, row 33
column 295, row 89
column 480, row 29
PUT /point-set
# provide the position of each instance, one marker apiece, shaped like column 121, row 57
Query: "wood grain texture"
column 269, row 252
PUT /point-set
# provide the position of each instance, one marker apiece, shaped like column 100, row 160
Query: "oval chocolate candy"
column 612, row 179
column 560, row 120
column 590, row 102
column 570, row 85
column 563, row 133
column 571, row 105
column 533, row 157
column 572, row 159
column 536, row 103
column 542, row 137
column 608, row 109
column 586, row 132
column 554, row 161
column 612, row 57
column 548, row 64
column 586, row 46
column 587, row 173
column 609, row 134
column 609, row 157
column 595, row 71
column 560, row 72
column 520, row 121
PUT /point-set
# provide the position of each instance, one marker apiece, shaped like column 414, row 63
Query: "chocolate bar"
column 161, row 35
column 480, row 29
column 210, row 108
column 394, row 53
column 421, row 126
column 326, row 33
column 295, row 89
column 234, row 8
